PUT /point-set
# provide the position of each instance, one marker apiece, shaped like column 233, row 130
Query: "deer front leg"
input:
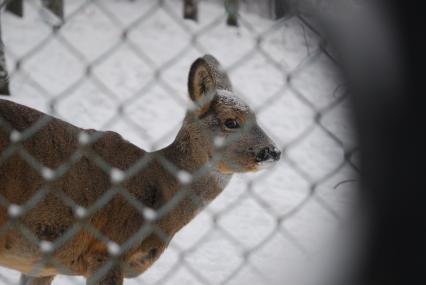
column 29, row 280
column 112, row 277
column 100, row 276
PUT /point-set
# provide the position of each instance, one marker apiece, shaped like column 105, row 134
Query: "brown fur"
column 55, row 144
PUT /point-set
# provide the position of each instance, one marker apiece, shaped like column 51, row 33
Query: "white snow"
column 244, row 236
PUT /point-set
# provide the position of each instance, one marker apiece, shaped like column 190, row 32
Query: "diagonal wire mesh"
column 123, row 66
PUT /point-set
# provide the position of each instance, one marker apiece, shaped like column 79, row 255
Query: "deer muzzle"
column 268, row 154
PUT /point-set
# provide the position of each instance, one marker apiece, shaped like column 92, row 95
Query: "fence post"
column 4, row 78
column 282, row 8
column 16, row 7
column 232, row 7
column 55, row 6
column 190, row 9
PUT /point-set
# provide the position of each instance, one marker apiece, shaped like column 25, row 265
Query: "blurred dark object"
column 382, row 53
column 391, row 124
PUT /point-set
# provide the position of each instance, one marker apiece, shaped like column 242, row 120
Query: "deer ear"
column 205, row 77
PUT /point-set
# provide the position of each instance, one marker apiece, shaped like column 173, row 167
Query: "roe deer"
column 62, row 211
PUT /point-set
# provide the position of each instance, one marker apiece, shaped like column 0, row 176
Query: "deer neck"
column 188, row 153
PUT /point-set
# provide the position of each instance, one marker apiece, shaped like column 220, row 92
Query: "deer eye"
column 232, row 124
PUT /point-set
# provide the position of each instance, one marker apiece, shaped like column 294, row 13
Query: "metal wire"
column 289, row 88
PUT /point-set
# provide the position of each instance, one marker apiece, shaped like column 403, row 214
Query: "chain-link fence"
column 81, row 202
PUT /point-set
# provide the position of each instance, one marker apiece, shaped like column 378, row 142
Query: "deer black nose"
column 268, row 153
column 276, row 153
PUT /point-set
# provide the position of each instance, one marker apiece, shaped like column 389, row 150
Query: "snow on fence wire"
column 283, row 68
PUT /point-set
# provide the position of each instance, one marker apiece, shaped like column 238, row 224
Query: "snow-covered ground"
column 261, row 235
